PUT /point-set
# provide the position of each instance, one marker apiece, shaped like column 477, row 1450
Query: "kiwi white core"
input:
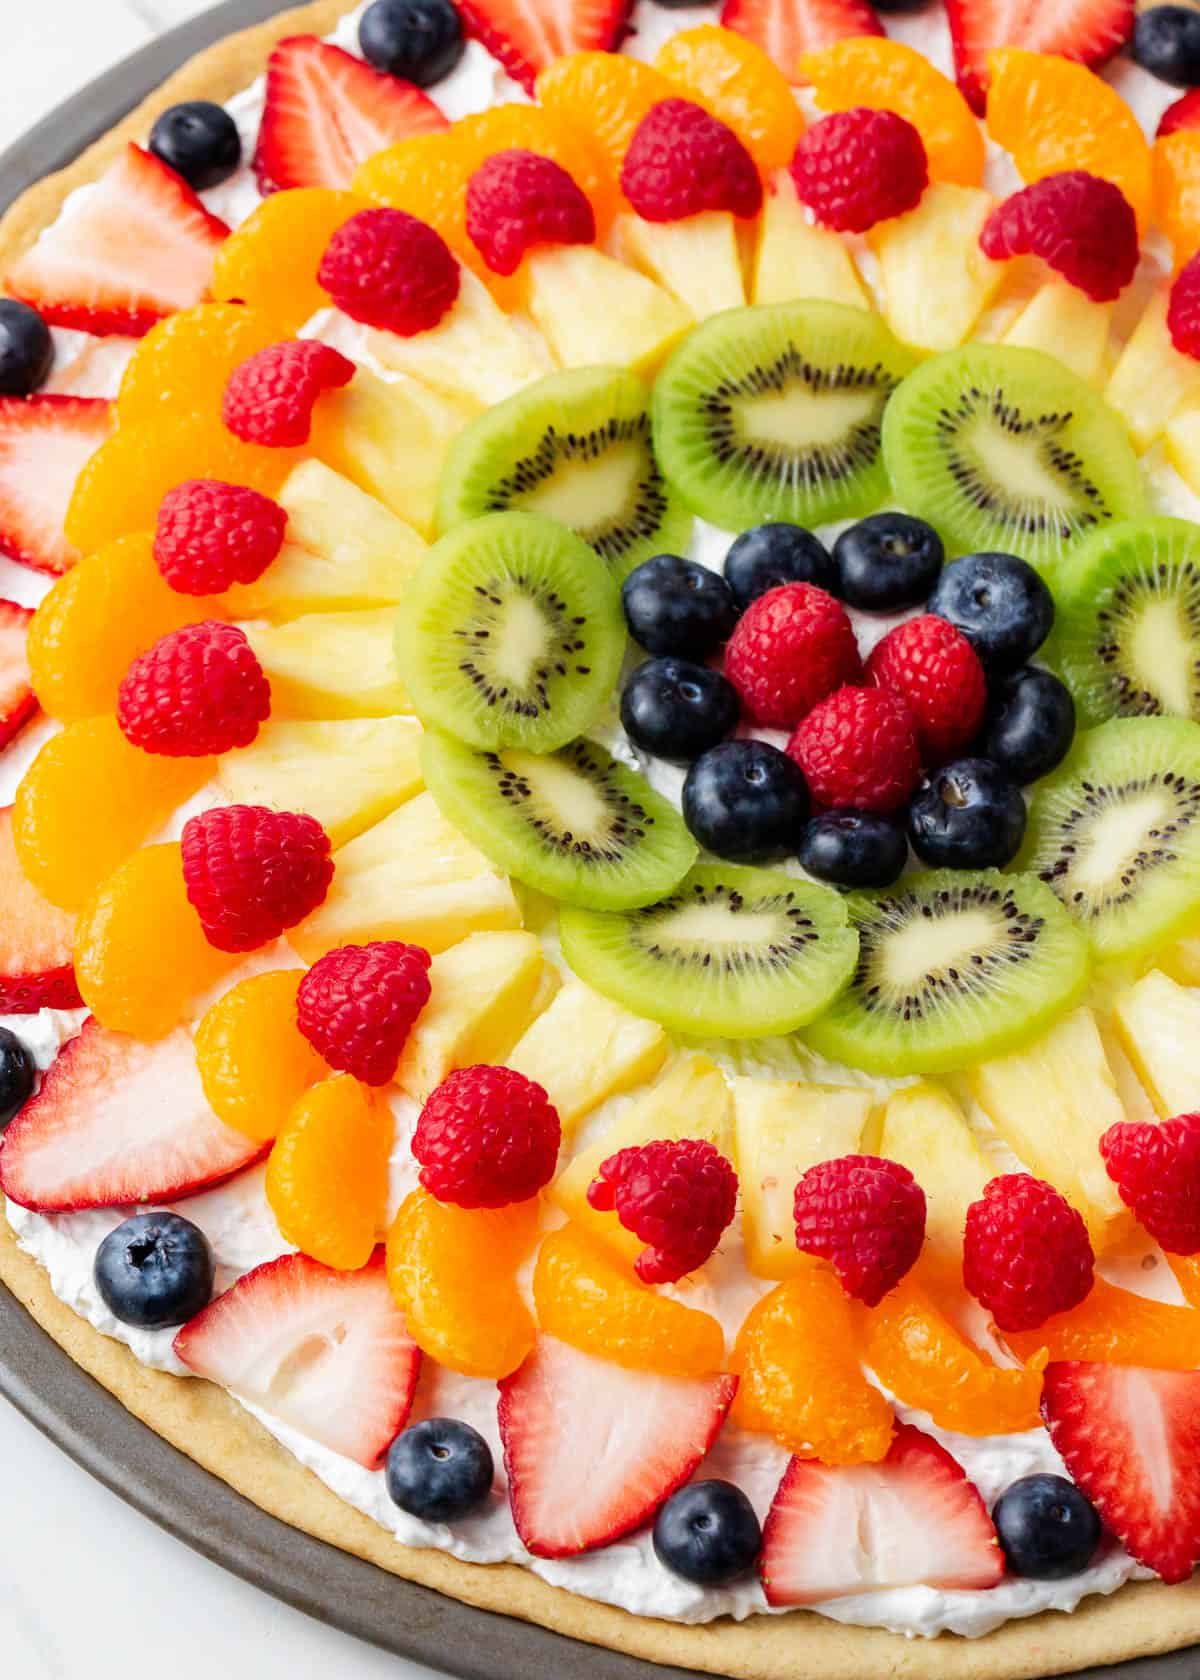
column 910, row 954
column 583, row 494
column 521, row 641
column 1115, row 842
column 1163, row 654
column 803, row 417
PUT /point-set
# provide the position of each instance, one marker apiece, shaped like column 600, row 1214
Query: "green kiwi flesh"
column 774, row 412
column 1127, row 634
column 510, row 634
column 1001, row 448
column 953, row 966
column 730, row 953
column 575, row 824
column 1115, row 832
column 575, row 447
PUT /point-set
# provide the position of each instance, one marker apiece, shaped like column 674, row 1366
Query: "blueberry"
column 198, row 140
column 1048, row 1529
column 18, row 1074
column 887, row 562
column 770, row 555
column 674, row 605
column 676, row 709
column 967, row 815
column 439, row 1470
column 854, row 848
column 708, row 1533
column 745, row 801
column 421, row 40
column 999, row 603
column 1030, row 723
column 26, row 349
column 155, row 1269
column 1166, row 41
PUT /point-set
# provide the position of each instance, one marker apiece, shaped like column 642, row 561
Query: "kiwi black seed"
column 730, row 953
column 953, row 966
column 774, row 413
column 1005, row 449
column 510, row 634
column 576, row 447
column 1115, row 832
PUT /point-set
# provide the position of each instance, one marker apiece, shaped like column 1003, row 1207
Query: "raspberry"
column 1183, row 310
column 1083, row 226
column 212, row 535
column 858, row 748
column 1184, row 113
column 790, row 648
column 198, row 690
column 860, row 167
column 487, row 1137
column 251, row 872
column 866, row 1216
column 681, row 161
column 1026, row 1254
column 518, row 199
column 269, row 398
column 356, row 1006
column 677, row 1198
column 387, row 269
column 936, row 672
column 1157, row 1170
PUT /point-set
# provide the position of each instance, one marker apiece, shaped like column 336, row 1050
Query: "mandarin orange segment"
column 255, row 1064
column 427, row 176
column 141, row 958
column 271, row 260
column 585, row 1297
column 605, row 95
column 799, row 1357
column 1177, row 191
column 184, row 362
column 1186, row 1268
column 453, row 1272
column 887, row 75
column 1115, row 1327
column 87, row 800
column 527, row 127
column 327, row 1176
column 734, row 79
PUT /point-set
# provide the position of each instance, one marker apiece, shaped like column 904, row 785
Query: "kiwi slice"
column 1127, row 636
column 774, row 413
column 953, row 966
column 509, row 634
column 731, row 953
column 574, row 824
column 1115, row 831
column 1005, row 449
column 575, row 447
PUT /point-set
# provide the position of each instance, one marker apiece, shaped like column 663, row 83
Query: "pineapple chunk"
column 691, row 1100
column 1182, row 960
column 482, row 996
column 1064, row 322
column 1158, row 1022
column 331, row 665
column 585, row 1049
column 924, row 1129
column 593, row 309
column 1135, row 1099
column 796, row 259
column 411, row 877
column 781, row 1128
column 1152, row 381
column 1182, row 443
column 935, row 280
column 1052, row 1103
column 698, row 259
column 349, row 773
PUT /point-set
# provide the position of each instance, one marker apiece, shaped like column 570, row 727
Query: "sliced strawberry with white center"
column 1088, row 31
column 912, row 1520
column 528, row 35
column 1131, row 1439
column 326, row 112
column 323, row 1351
column 36, row 969
column 44, row 444
column 787, row 29
column 136, row 247
column 18, row 702
column 116, row 1122
column 592, row 1449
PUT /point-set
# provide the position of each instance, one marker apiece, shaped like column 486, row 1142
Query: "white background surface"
column 89, row 1590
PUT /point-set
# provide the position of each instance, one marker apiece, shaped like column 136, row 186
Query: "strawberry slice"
column 326, row 112
column 1088, row 31
column 116, row 1122
column 325, row 1352
column 44, row 443
column 139, row 246
column 18, row 702
column 1131, row 1439
column 787, row 29
column 528, row 35
column 36, row 938
column 592, row 1449
column 913, row 1520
